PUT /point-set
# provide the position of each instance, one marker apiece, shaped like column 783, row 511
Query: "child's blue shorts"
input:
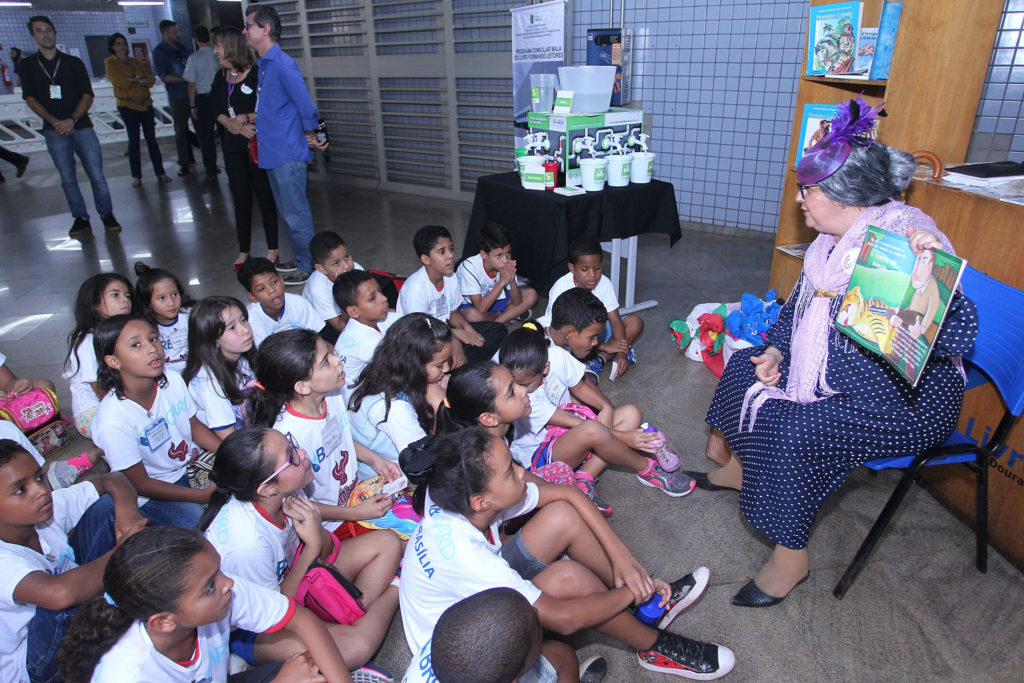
column 499, row 306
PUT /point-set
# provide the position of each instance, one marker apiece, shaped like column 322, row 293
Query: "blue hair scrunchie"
column 110, row 600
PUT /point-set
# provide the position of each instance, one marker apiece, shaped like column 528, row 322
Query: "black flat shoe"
column 752, row 596
column 704, row 483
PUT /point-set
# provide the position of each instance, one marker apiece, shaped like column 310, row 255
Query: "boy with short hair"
column 331, row 258
column 490, row 290
column 358, row 294
column 434, row 290
column 586, row 266
column 272, row 310
column 54, row 546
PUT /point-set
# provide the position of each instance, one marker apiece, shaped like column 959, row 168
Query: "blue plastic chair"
column 997, row 357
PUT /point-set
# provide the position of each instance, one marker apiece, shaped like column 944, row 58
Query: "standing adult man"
column 169, row 59
column 56, row 86
column 199, row 72
column 286, row 121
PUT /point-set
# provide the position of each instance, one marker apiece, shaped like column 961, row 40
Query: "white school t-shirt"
column 564, row 372
column 213, row 408
column 603, row 291
column 174, row 338
column 80, row 373
column 160, row 438
column 134, row 658
column 69, row 505
column 386, row 437
column 421, row 670
column 474, row 279
column 357, row 342
column 319, row 292
column 419, row 295
column 328, row 444
column 528, row 432
column 251, row 545
column 295, row 314
column 448, row 559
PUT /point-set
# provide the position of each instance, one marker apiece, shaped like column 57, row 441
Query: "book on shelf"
column 814, row 125
column 897, row 301
column 798, row 250
column 888, row 23
column 862, row 60
column 986, row 173
column 832, row 31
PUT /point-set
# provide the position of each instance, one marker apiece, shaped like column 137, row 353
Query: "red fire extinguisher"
column 3, row 75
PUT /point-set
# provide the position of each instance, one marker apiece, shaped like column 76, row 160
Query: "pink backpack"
column 37, row 414
column 326, row 593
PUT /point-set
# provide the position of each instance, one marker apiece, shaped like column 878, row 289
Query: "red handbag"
column 254, row 151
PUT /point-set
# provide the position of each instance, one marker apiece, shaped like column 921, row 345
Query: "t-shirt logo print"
column 339, row 470
column 178, row 451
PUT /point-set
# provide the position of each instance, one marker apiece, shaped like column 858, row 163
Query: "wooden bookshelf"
column 938, row 69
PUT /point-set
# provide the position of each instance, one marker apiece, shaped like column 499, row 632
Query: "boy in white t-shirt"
column 618, row 334
column 272, row 310
column 490, row 289
column 54, row 546
column 358, row 294
column 331, row 258
column 434, row 290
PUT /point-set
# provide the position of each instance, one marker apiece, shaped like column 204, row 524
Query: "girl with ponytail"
column 167, row 614
column 257, row 518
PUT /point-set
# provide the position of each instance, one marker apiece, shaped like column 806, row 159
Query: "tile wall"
column 999, row 127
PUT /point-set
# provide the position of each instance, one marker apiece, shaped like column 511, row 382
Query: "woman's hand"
column 247, row 130
column 767, row 366
column 299, row 668
column 306, row 518
column 921, row 240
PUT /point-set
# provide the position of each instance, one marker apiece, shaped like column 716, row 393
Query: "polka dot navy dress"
column 797, row 455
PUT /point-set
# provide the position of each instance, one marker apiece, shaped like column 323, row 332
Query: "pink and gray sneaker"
column 675, row 484
column 668, row 459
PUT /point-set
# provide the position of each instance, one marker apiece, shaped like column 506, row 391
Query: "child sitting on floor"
column 490, row 290
column 358, row 294
column 331, row 258
column 272, row 310
column 616, row 337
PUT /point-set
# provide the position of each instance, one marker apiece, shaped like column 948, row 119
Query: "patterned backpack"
column 37, row 414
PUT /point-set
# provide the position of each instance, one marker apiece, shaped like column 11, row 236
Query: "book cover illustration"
column 888, row 23
column 896, row 302
column 814, row 126
column 865, row 50
column 832, row 37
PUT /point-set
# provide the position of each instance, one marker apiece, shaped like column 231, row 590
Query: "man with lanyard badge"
column 56, row 86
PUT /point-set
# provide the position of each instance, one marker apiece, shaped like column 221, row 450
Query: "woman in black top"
column 234, row 106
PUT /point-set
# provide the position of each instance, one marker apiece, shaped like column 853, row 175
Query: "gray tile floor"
column 919, row 611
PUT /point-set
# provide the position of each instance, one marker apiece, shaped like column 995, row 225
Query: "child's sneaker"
column 668, row 459
column 589, row 487
column 61, row 475
column 371, row 674
column 676, row 484
column 595, row 364
column 631, row 356
column 521, row 318
column 678, row 656
column 685, row 592
column 593, row 669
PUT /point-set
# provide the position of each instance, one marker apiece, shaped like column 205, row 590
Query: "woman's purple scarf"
column 823, row 272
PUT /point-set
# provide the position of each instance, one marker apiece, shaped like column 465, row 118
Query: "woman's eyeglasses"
column 293, row 458
column 801, row 188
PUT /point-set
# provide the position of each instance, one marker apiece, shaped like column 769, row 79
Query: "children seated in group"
column 257, row 519
column 220, row 360
column 160, row 297
column 331, row 258
column 358, row 293
column 297, row 393
column 396, row 397
column 617, row 335
column 168, row 612
column 272, row 309
column 468, row 485
column 434, row 290
column 53, row 547
column 490, row 289
column 495, row 635
column 147, row 424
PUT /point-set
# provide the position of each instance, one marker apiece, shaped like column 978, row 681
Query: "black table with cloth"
column 542, row 225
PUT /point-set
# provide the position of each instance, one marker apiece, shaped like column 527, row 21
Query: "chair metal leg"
column 876, row 531
column 981, row 515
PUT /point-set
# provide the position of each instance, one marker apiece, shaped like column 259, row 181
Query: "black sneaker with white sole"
column 286, row 266
column 685, row 592
column 593, row 669
column 296, row 277
column 677, row 655
column 81, row 226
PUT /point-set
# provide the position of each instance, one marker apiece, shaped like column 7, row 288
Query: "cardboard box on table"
column 564, row 129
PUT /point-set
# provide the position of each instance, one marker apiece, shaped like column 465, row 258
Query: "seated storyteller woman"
column 811, row 405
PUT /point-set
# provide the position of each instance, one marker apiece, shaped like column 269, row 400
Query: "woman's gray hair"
column 870, row 176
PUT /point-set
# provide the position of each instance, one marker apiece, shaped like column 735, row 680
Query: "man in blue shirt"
column 169, row 59
column 286, row 121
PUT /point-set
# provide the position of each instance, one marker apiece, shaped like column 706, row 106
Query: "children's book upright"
column 814, row 126
column 832, row 37
column 897, row 301
column 888, row 23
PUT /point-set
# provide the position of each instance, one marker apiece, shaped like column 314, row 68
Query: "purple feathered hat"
column 852, row 125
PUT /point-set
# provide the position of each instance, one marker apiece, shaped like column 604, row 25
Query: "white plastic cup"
column 531, row 172
column 643, row 167
column 542, row 92
column 619, row 167
column 593, row 173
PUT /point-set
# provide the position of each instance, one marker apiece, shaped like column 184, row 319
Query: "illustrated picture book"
column 896, row 301
column 832, row 32
column 814, row 126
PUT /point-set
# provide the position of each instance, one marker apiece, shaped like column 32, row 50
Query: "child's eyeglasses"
column 293, row 458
